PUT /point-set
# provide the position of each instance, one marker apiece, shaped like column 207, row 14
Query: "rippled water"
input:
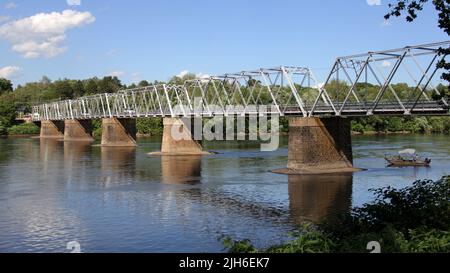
column 122, row 200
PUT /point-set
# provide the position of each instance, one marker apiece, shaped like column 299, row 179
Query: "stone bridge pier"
column 318, row 146
column 78, row 130
column 178, row 138
column 52, row 129
column 119, row 132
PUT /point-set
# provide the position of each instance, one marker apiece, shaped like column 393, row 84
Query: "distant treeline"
column 402, row 124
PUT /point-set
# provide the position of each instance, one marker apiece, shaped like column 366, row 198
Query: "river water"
column 122, row 200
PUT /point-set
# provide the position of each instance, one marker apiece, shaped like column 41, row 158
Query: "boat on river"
column 405, row 158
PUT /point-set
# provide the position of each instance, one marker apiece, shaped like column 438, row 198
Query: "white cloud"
column 10, row 5
column 9, row 72
column 41, row 35
column 74, row 2
column 4, row 18
column 319, row 85
column 373, row 2
column 385, row 64
column 183, row 73
column 117, row 73
column 202, row 77
column 135, row 77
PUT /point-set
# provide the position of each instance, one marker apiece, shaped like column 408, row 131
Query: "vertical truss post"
column 294, row 92
column 386, row 83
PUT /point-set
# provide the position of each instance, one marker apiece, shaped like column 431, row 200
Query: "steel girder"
column 284, row 90
column 377, row 69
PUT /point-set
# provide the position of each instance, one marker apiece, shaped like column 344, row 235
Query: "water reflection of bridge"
column 311, row 197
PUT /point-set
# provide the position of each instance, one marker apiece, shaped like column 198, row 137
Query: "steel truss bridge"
column 357, row 85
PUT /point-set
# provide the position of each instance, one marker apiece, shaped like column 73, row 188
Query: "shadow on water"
column 318, row 197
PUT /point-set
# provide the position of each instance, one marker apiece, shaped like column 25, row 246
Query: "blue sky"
column 155, row 40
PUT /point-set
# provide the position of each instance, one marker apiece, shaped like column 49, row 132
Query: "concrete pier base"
column 178, row 139
column 52, row 129
column 78, row 130
column 318, row 146
column 119, row 132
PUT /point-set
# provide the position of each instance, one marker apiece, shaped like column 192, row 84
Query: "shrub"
column 357, row 127
column 149, row 126
column 394, row 124
column 24, row 129
column 3, row 130
column 437, row 124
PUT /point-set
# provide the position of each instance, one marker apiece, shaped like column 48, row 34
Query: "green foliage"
column 97, row 128
column 143, row 83
column 308, row 240
column 78, row 89
column 24, row 129
column 236, row 246
column 284, row 124
column 412, row 219
column 149, row 126
column 3, row 129
column 7, row 113
column 357, row 127
column 5, row 86
column 394, row 124
column 411, row 8
column 399, row 124
column 109, row 85
column 425, row 204
column 91, row 87
column 63, row 89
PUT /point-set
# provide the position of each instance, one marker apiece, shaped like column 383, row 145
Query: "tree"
column 78, row 89
column 91, row 87
column 412, row 8
column 45, row 80
column 7, row 113
column 143, row 83
column 64, row 89
column 5, row 86
column 109, row 85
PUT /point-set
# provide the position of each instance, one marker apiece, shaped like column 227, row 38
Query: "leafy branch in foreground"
column 412, row 8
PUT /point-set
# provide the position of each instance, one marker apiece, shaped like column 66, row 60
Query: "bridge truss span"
column 357, row 85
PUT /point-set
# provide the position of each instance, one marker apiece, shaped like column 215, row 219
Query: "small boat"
column 406, row 158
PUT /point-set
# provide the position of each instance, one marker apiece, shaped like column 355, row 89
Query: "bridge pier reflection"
column 181, row 169
column 118, row 164
column 317, row 197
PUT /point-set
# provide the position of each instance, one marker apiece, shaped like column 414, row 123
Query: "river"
column 122, row 200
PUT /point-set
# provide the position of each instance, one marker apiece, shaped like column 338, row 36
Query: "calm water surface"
column 122, row 200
